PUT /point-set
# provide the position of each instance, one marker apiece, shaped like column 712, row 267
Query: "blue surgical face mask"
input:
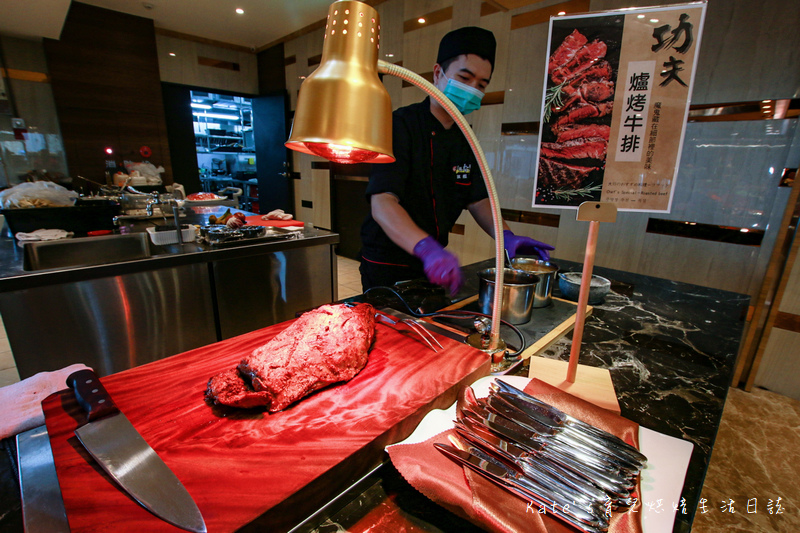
column 466, row 98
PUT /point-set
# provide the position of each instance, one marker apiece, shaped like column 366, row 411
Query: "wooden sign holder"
column 595, row 384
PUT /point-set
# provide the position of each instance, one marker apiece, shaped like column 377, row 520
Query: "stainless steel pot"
column 518, row 294
column 547, row 271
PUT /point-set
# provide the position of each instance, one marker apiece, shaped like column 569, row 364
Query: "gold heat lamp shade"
column 344, row 113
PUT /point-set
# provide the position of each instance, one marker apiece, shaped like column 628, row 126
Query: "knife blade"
column 563, row 419
column 42, row 505
column 125, row 456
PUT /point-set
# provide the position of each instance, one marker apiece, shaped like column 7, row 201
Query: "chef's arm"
column 395, row 221
column 481, row 211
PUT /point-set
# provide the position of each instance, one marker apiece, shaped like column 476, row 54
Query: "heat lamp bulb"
column 339, row 153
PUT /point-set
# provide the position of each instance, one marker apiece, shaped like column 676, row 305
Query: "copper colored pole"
column 583, row 300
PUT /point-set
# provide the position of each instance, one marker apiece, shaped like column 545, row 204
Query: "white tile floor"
column 349, row 277
column 8, row 367
column 349, row 285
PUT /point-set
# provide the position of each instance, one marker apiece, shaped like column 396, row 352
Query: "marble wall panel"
column 416, row 8
column 498, row 23
column 420, row 47
column 474, row 245
column 321, row 197
column 729, row 171
column 392, row 46
column 516, row 161
column 183, row 67
column 391, row 14
column 466, row 13
column 525, row 76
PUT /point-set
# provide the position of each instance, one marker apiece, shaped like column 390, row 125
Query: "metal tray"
column 272, row 234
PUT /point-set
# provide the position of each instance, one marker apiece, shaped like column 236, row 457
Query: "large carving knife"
column 119, row 449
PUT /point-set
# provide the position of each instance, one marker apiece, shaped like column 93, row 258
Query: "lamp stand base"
column 591, row 383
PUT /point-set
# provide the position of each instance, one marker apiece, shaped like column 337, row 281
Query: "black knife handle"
column 91, row 394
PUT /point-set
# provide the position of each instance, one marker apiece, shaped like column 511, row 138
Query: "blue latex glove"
column 519, row 245
column 441, row 267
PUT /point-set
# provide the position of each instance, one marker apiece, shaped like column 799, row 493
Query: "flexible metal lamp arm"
column 429, row 88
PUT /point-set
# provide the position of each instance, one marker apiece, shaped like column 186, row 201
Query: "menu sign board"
column 616, row 97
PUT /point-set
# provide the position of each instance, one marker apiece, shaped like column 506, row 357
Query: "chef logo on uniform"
column 463, row 174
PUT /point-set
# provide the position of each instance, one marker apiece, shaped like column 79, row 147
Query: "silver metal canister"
column 518, row 293
column 546, row 271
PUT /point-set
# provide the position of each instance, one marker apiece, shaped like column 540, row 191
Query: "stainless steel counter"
column 120, row 315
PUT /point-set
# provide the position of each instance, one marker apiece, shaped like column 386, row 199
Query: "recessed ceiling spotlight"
column 653, row 20
column 639, row 16
column 172, row 54
column 560, row 13
column 421, row 20
column 240, row 11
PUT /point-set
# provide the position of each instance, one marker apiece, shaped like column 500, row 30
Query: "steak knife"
column 125, row 456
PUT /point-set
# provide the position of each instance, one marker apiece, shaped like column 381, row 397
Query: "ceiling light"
column 421, row 20
column 562, row 13
column 200, row 106
column 653, row 20
column 639, row 16
column 172, row 54
column 240, row 11
column 217, row 115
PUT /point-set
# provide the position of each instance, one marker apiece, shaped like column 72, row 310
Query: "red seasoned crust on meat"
column 324, row 346
column 229, row 388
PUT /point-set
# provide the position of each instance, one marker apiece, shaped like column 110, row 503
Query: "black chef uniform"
column 435, row 177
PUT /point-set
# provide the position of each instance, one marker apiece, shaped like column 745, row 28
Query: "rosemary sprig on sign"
column 552, row 99
column 565, row 194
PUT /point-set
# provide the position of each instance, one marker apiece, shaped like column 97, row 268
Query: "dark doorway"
column 178, row 115
column 270, row 127
column 349, row 206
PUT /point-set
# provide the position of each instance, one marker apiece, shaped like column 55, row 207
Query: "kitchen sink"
column 86, row 251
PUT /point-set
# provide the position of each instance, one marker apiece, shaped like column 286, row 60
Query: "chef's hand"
column 441, row 267
column 520, row 245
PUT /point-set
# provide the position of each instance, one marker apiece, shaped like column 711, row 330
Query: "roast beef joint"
column 327, row 345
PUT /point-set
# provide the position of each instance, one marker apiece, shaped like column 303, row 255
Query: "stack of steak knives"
column 573, row 470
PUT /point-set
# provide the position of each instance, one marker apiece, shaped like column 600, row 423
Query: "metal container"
column 543, row 295
column 518, row 291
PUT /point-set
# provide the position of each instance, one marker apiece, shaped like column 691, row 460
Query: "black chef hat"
column 468, row 40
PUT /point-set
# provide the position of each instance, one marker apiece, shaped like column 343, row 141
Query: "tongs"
column 426, row 336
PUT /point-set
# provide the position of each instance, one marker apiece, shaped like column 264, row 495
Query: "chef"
column 415, row 201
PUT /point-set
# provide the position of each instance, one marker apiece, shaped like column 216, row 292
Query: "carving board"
column 251, row 468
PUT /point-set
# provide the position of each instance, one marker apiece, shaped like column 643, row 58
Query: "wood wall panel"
column 107, row 89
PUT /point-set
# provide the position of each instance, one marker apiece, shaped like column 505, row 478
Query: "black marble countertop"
column 670, row 348
column 14, row 277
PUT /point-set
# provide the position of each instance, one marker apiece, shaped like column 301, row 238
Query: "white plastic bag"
column 37, row 194
column 148, row 171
